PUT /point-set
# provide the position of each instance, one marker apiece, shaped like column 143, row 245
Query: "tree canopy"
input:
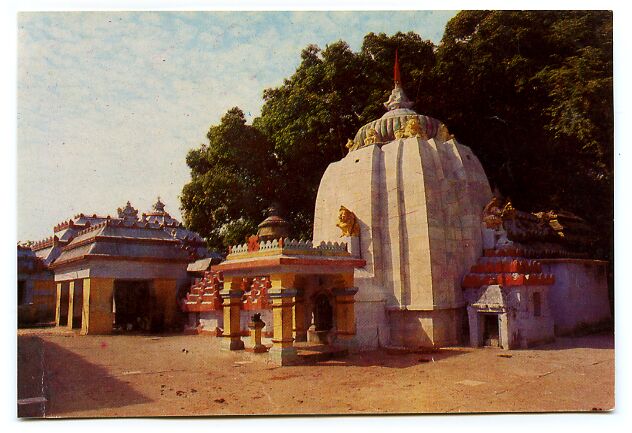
column 229, row 187
column 529, row 92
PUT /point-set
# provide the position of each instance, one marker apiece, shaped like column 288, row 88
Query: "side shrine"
column 103, row 274
column 410, row 249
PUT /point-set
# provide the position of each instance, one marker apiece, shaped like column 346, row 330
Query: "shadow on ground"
column 393, row 359
column 66, row 380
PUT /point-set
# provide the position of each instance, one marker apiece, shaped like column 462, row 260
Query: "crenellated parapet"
column 63, row 226
column 286, row 246
column 93, row 216
column 44, row 243
column 94, row 227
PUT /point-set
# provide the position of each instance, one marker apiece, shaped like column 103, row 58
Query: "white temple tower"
column 418, row 197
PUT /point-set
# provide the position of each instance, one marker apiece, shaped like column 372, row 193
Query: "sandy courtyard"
column 177, row 375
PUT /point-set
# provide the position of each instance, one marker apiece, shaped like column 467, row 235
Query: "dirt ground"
column 178, row 375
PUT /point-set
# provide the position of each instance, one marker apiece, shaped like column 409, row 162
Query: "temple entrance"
column 132, row 305
column 491, row 334
column 323, row 318
column 21, row 292
column 77, row 305
column 63, row 304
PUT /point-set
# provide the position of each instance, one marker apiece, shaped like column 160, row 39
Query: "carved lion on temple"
column 372, row 137
column 412, row 128
column 347, row 222
column 444, row 134
column 492, row 214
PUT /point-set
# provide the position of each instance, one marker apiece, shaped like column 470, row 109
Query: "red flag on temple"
column 396, row 74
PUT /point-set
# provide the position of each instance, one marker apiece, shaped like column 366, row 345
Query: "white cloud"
column 109, row 103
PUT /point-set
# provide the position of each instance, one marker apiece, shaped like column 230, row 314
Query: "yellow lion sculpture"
column 347, row 222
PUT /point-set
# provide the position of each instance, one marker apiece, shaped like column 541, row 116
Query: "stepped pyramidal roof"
column 153, row 234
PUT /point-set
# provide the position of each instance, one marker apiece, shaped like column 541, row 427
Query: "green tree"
column 531, row 93
column 230, row 183
column 331, row 95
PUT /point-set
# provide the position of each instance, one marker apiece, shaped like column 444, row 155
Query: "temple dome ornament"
column 128, row 213
column 273, row 227
column 396, row 122
column 158, row 206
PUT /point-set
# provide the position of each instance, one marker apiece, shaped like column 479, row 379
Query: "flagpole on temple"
column 396, row 73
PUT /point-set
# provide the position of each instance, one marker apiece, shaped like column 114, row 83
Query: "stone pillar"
column 58, row 304
column 97, row 306
column 503, row 331
column 255, row 336
column 165, row 292
column 71, row 304
column 282, row 296
column 344, row 314
column 300, row 332
column 231, row 303
column 472, row 317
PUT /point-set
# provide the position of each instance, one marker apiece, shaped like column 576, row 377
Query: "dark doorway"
column 323, row 313
column 63, row 304
column 21, row 291
column 77, row 304
column 490, row 330
column 132, row 306
column 537, row 304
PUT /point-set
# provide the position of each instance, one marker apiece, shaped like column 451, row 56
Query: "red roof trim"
column 265, row 262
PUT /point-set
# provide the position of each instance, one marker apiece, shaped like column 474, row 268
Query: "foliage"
column 330, row 96
column 229, row 187
column 529, row 92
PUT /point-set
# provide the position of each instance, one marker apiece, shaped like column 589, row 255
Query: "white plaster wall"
column 210, row 320
column 532, row 329
column 353, row 183
column 518, row 326
column 419, row 205
column 579, row 296
column 266, row 316
column 372, row 328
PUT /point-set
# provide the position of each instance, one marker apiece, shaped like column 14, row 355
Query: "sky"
column 109, row 103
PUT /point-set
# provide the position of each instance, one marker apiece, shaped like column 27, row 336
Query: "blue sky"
column 109, row 103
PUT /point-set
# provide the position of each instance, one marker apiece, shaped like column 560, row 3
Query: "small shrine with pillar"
column 118, row 274
column 305, row 292
column 428, row 258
